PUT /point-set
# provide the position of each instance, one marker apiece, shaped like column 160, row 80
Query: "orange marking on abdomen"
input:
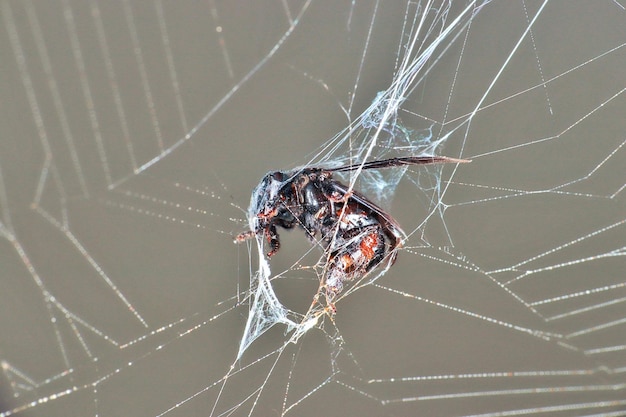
column 368, row 245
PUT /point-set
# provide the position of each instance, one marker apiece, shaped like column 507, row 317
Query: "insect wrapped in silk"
column 356, row 234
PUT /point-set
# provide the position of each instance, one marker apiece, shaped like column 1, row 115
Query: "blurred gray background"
column 106, row 265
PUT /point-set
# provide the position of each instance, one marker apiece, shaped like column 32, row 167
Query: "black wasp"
column 356, row 234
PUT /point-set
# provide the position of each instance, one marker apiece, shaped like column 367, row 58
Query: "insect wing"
column 400, row 161
column 385, row 219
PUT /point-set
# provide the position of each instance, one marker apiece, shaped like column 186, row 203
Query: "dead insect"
column 356, row 234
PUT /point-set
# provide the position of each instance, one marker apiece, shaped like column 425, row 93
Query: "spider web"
column 133, row 135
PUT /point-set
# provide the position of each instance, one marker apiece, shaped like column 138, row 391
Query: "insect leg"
column 272, row 237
